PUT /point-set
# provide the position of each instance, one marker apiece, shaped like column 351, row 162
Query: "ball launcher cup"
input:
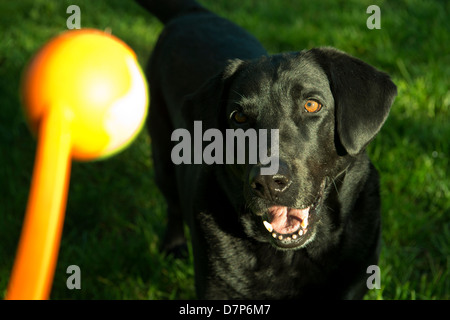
column 85, row 98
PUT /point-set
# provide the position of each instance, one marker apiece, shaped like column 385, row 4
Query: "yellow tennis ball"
column 96, row 80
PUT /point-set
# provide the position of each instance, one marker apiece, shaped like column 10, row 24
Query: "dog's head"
column 324, row 106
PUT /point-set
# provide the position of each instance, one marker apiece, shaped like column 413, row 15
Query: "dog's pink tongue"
column 287, row 220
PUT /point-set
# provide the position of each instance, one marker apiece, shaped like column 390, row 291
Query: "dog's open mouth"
column 287, row 222
column 288, row 226
column 291, row 227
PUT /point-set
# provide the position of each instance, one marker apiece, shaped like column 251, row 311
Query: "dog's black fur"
column 204, row 68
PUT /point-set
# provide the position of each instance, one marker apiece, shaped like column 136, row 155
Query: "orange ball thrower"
column 85, row 97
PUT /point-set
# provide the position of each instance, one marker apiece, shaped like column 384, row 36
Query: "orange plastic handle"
column 35, row 263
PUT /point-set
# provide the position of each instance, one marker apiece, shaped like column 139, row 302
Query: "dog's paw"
column 174, row 245
column 178, row 251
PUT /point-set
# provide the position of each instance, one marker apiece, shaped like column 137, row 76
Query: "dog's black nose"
column 269, row 186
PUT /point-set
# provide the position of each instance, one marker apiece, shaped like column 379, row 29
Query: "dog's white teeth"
column 268, row 226
column 290, row 236
column 304, row 223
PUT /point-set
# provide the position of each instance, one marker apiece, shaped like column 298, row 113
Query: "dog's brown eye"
column 238, row 117
column 312, row 106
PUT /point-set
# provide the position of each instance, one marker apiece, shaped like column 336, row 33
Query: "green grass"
column 115, row 214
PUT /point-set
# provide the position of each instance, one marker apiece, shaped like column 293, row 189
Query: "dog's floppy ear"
column 363, row 97
column 209, row 100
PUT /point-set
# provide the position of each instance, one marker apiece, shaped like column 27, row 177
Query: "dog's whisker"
column 334, row 184
column 240, row 95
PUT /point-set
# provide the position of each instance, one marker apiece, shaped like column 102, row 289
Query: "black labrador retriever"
column 311, row 228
